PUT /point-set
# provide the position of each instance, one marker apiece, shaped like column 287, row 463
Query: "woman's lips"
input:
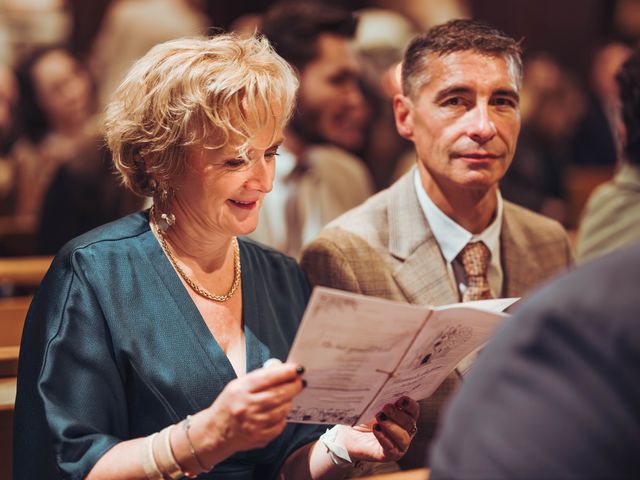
column 245, row 205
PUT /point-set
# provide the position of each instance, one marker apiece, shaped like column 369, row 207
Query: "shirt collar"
column 450, row 236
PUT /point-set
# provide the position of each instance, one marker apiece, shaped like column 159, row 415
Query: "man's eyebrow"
column 507, row 92
column 462, row 90
column 453, row 90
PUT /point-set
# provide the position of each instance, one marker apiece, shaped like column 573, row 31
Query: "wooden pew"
column 12, row 315
column 26, row 271
column 18, row 234
column 14, row 271
column 13, row 312
column 7, row 400
column 9, row 361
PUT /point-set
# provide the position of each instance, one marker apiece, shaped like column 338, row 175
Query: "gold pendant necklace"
column 194, row 286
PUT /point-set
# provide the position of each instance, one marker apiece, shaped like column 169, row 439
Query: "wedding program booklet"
column 362, row 352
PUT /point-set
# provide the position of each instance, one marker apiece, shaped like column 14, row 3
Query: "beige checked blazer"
column 385, row 248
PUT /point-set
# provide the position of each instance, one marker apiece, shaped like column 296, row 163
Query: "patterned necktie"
column 475, row 260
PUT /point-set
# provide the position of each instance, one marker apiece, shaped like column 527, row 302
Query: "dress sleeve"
column 69, row 385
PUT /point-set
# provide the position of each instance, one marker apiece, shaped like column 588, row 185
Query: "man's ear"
column 403, row 112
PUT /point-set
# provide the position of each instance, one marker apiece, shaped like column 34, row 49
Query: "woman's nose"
column 261, row 175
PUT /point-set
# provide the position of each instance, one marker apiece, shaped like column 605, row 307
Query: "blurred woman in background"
column 57, row 103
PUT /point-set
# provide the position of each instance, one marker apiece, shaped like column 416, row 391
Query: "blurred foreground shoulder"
column 555, row 394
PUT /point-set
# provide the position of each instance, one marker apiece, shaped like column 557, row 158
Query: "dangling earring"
column 166, row 220
column 161, row 199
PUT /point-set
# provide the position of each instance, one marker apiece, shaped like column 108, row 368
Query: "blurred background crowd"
column 61, row 60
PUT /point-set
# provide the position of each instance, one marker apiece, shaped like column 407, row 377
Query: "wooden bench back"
column 23, row 270
column 13, row 311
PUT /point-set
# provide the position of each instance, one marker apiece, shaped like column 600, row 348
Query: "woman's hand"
column 386, row 438
column 252, row 410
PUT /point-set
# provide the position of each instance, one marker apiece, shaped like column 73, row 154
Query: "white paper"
column 361, row 352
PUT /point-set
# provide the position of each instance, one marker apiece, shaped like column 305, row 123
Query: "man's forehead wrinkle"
column 461, row 71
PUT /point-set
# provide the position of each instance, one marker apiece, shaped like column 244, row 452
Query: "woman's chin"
column 244, row 229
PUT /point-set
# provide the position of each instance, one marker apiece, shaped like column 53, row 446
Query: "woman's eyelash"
column 236, row 162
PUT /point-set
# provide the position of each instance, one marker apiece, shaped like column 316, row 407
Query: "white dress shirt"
column 452, row 238
column 330, row 183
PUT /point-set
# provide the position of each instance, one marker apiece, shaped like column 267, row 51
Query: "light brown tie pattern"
column 475, row 260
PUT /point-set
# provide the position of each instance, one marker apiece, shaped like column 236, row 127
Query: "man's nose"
column 481, row 125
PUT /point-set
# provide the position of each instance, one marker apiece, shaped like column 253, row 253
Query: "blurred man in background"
column 612, row 217
column 316, row 178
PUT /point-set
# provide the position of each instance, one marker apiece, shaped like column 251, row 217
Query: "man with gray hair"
column 442, row 233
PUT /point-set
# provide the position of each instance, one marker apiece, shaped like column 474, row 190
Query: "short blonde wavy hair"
column 194, row 92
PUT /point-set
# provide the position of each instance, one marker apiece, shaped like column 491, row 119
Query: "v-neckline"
column 255, row 352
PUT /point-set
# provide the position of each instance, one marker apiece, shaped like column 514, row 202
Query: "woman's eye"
column 235, row 163
column 271, row 154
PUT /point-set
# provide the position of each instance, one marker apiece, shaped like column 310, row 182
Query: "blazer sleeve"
column 70, row 391
column 325, row 264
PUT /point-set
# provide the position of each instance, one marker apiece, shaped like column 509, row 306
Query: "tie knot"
column 475, row 259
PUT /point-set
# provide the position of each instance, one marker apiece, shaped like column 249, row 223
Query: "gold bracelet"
column 186, row 425
column 151, row 470
column 164, row 455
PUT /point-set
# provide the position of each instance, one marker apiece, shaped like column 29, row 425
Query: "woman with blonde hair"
column 142, row 351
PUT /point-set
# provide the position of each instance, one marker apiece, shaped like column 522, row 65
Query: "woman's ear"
column 403, row 112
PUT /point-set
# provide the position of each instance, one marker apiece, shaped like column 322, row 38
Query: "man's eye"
column 453, row 101
column 505, row 102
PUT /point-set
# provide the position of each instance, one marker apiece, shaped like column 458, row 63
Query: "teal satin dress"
column 114, row 348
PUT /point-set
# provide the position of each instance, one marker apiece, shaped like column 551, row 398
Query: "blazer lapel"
column 422, row 273
column 516, row 257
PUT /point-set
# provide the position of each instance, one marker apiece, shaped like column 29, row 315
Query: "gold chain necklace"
column 196, row 288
